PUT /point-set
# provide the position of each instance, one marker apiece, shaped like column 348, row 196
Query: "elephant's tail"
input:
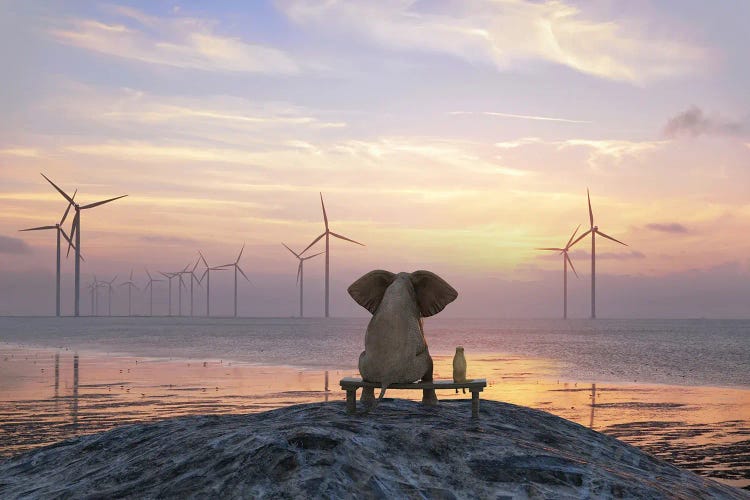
column 384, row 386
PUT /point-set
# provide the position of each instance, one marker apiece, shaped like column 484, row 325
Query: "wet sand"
column 50, row 395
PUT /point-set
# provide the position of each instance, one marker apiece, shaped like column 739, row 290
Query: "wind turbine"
column 207, row 275
column 150, row 285
column 236, row 265
column 193, row 278
column 76, row 233
column 60, row 231
column 92, row 289
column 566, row 261
column 327, row 234
column 130, row 286
column 301, row 275
column 109, row 284
column 169, row 276
column 594, row 231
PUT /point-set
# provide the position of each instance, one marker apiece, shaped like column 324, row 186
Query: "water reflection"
column 593, row 405
column 74, row 407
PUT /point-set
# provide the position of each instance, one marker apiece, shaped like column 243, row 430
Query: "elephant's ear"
column 433, row 292
column 368, row 290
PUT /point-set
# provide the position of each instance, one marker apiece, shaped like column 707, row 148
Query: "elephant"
column 395, row 347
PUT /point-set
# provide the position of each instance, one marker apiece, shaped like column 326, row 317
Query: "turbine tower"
column 193, row 278
column 236, row 265
column 594, row 230
column 301, row 275
column 207, row 274
column 130, row 286
column 327, row 234
column 566, row 261
column 76, row 233
column 169, row 276
column 60, row 231
column 150, row 285
column 109, row 284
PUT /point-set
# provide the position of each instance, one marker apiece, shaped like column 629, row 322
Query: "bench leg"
column 474, row 404
column 351, row 401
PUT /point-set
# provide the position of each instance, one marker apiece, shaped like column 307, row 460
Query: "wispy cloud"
column 168, row 240
column 522, row 117
column 584, row 255
column 172, row 41
column 667, row 227
column 12, row 245
column 505, row 32
column 694, row 122
column 23, row 152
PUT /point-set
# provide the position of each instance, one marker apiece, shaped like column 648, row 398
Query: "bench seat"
column 475, row 386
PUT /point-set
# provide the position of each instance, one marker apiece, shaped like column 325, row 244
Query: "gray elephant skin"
column 395, row 346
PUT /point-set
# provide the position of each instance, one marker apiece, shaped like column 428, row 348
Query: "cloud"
column 22, row 152
column 667, row 227
column 174, row 41
column 632, row 255
column 693, row 122
column 522, row 117
column 13, row 245
column 506, row 32
column 168, row 240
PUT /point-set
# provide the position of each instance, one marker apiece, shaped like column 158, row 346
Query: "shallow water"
column 49, row 395
column 678, row 389
column 677, row 352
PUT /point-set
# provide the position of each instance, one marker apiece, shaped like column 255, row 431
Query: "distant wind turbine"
column 207, row 274
column 236, row 265
column 150, row 286
column 327, row 234
column 109, row 284
column 566, row 261
column 169, row 276
column 130, row 286
column 301, row 275
column 193, row 278
column 76, row 233
column 92, row 289
column 594, row 231
column 60, row 231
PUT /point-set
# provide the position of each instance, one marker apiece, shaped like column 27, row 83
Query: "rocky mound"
column 402, row 449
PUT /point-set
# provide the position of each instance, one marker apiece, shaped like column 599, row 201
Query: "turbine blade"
column 131, row 275
column 567, row 245
column 311, row 256
column 552, row 249
column 567, row 257
column 240, row 255
column 311, row 244
column 40, row 228
column 243, row 273
column 65, row 215
column 345, row 238
column 203, row 275
column 96, row 204
column 76, row 221
column 70, row 200
column 579, row 238
column 203, row 259
column 149, row 274
column 164, row 274
column 611, row 238
column 113, row 279
column 293, row 252
column 325, row 216
column 591, row 213
column 197, row 261
column 299, row 271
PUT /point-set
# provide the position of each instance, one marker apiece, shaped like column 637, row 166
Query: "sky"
column 453, row 136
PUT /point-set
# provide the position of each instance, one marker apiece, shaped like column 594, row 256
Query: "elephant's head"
column 395, row 347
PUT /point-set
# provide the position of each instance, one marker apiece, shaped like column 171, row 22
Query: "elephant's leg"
column 428, row 395
column 368, row 393
column 368, row 397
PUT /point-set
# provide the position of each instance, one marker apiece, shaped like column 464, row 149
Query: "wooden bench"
column 475, row 386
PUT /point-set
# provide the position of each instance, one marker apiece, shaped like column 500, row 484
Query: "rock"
column 402, row 449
